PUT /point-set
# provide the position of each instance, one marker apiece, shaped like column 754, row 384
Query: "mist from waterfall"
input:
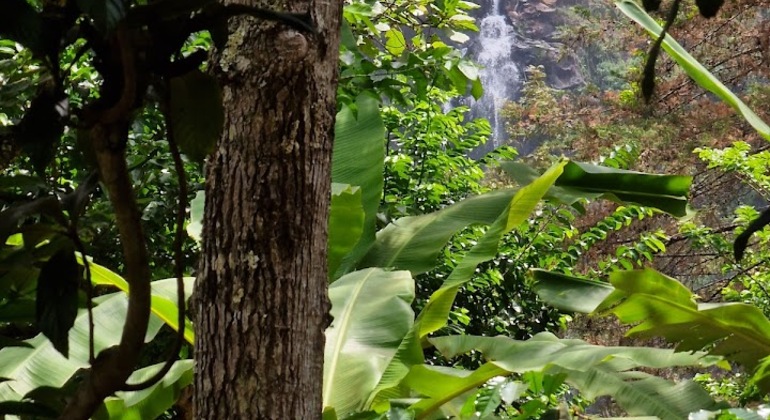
column 501, row 75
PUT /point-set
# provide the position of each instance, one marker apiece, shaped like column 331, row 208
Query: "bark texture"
column 260, row 300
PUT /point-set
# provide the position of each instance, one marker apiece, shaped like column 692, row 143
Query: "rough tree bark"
column 260, row 301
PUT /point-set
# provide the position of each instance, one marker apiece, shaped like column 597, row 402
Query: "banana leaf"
column 372, row 313
column 590, row 368
column 582, row 180
column 346, row 223
column 358, row 159
column 164, row 299
column 659, row 306
column 41, row 365
column 152, row 402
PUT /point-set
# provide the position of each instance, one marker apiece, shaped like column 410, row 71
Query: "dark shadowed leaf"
column 196, row 113
column 11, row 217
column 9, row 342
column 742, row 241
column 57, row 298
column 27, row 408
column 38, row 133
column 20, row 22
column 75, row 202
column 651, row 5
column 105, row 13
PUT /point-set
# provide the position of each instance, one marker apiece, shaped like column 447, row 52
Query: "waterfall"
column 501, row 74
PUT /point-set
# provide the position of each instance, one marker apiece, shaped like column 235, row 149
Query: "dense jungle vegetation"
column 174, row 212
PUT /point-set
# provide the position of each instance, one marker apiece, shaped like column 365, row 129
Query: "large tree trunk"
column 260, row 299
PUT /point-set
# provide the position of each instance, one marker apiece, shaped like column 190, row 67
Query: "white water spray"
column 500, row 75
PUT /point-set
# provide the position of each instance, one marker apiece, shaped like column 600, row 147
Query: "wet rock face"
column 536, row 23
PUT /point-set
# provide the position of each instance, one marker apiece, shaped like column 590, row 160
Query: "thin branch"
column 179, row 238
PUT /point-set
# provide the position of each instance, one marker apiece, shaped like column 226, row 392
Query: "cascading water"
column 501, row 74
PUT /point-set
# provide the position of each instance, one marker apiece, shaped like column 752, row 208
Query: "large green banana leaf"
column 581, row 180
column 435, row 313
column 41, row 365
column 413, row 243
column 358, row 159
column 568, row 293
column 164, row 300
column 346, row 224
column 643, row 394
column 692, row 67
column 661, row 306
column 587, row 367
column 152, row 402
column 372, row 313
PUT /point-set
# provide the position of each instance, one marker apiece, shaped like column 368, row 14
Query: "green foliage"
column 595, row 370
column 196, row 114
column 346, row 223
column 358, row 160
column 152, row 402
column 376, row 55
column 658, row 305
column 581, row 180
column 371, row 315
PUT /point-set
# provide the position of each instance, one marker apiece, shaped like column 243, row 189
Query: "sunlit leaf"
column 372, row 313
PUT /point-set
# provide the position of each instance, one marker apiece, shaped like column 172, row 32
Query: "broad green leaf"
column 692, row 67
column 427, row 235
column 41, row 365
column 581, row 180
column 358, row 159
column 346, row 223
column 477, row 89
column 440, row 385
column 434, row 314
column 589, row 368
column 372, row 313
column 413, row 243
column 545, row 350
column 643, row 394
column 196, row 114
column 40, row 130
column 164, row 301
column 470, row 70
column 152, row 402
column 569, row 293
column 395, row 42
column 195, row 226
column 661, row 306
